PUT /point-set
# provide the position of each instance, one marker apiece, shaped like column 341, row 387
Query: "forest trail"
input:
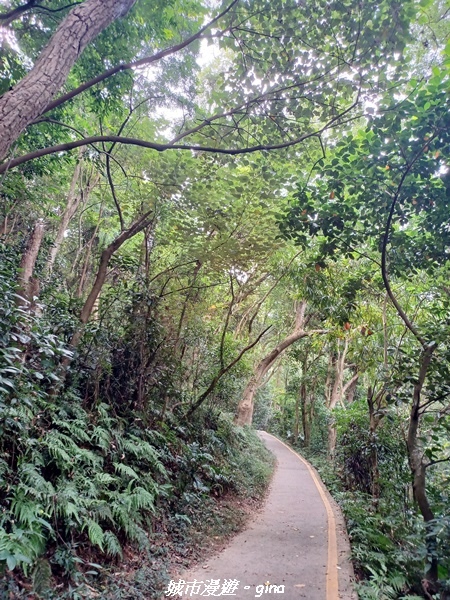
column 298, row 541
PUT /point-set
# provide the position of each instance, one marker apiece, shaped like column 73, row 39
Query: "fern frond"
column 140, row 448
column 105, row 478
column 103, row 512
column 112, row 544
column 56, row 450
column 25, row 510
column 38, row 486
column 41, row 577
column 95, row 533
column 126, row 470
column 76, row 428
column 102, row 437
column 141, row 498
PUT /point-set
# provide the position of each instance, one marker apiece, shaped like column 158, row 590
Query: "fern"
column 69, row 503
column 140, row 449
column 59, row 445
column 4, row 468
column 398, row 581
column 111, row 544
column 55, row 449
column 102, row 511
column 41, row 576
column 102, row 437
column 95, row 533
column 77, row 429
column 142, row 499
column 25, row 510
column 126, row 470
column 105, row 478
column 382, row 586
column 34, row 484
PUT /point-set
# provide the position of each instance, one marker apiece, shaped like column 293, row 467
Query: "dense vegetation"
column 214, row 211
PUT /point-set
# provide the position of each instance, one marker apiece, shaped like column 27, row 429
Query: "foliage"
column 397, row 162
column 67, row 472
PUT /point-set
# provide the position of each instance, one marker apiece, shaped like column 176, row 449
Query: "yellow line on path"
column 332, row 592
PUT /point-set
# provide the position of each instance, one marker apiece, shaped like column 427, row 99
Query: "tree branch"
column 222, row 372
column 15, row 13
column 168, row 146
column 138, row 63
column 384, row 271
column 258, row 305
column 12, row 15
column 435, row 462
column 227, row 320
column 113, row 190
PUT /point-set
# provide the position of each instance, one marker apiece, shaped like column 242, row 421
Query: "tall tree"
column 244, row 414
column 387, row 187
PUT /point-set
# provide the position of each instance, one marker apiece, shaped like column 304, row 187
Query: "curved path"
column 296, row 547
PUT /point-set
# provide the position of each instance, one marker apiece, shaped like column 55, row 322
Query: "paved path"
column 296, row 541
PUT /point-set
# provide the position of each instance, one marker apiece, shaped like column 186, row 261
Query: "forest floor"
column 295, row 546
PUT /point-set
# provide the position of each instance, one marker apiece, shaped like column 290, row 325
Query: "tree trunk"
column 100, row 277
column 331, row 441
column 338, row 393
column 244, row 413
column 222, row 371
column 302, row 401
column 189, row 294
column 335, row 388
column 335, row 396
column 74, row 199
column 338, row 386
column 29, row 285
column 306, row 415
column 374, row 469
column 87, row 257
column 328, row 381
column 297, row 417
column 417, row 466
column 351, row 388
column 28, row 99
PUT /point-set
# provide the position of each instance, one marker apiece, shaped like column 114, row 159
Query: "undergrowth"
column 88, row 490
column 387, row 534
column 97, row 495
column 387, row 548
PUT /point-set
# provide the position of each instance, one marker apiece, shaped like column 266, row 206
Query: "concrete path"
column 295, row 548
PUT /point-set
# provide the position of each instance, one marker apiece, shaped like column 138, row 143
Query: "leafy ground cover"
column 214, row 478
column 387, row 537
